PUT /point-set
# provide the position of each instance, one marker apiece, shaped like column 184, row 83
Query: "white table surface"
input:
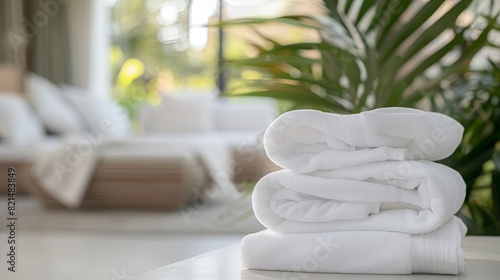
column 482, row 256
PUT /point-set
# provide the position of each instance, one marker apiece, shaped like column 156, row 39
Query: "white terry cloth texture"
column 399, row 196
column 64, row 171
column 309, row 140
column 363, row 252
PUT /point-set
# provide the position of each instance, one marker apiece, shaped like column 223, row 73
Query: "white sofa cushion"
column 19, row 125
column 230, row 115
column 99, row 113
column 179, row 113
column 55, row 112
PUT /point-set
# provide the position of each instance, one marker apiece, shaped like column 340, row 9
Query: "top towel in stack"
column 307, row 140
column 366, row 182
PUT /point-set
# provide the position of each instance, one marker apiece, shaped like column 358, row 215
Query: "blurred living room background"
column 135, row 126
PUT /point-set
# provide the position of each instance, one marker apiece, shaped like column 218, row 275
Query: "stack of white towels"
column 359, row 194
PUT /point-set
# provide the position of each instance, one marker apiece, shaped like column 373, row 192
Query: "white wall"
column 79, row 32
column 100, row 71
column 89, row 42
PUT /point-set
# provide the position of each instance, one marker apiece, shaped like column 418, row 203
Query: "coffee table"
column 482, row 256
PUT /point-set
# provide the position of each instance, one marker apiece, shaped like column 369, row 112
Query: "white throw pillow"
column 179, row 113
column 19, row 125
column 52, row 107
column 99, row 113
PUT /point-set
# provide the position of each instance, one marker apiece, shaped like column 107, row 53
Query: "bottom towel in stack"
column 370, row 252
column 387, row 217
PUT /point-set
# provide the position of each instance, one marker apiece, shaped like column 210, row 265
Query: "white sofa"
column 235, row 123
column 239, row 123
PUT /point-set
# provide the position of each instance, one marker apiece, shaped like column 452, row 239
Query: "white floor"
column 67, row 255
column 112, row 245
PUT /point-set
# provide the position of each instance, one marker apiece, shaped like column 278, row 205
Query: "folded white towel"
column 308, row 140
column 374, row 252
column 400, row 196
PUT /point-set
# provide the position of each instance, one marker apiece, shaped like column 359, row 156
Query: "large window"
column 163, row 45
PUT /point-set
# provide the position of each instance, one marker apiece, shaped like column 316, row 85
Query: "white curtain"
column 12, row 52
column 46, row 27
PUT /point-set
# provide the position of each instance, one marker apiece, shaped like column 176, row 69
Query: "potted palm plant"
column 371, row 54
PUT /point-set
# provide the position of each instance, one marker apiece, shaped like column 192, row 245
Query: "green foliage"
column 475, row 104
column 372, row 54
column 135, row 33
column 140, row 59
